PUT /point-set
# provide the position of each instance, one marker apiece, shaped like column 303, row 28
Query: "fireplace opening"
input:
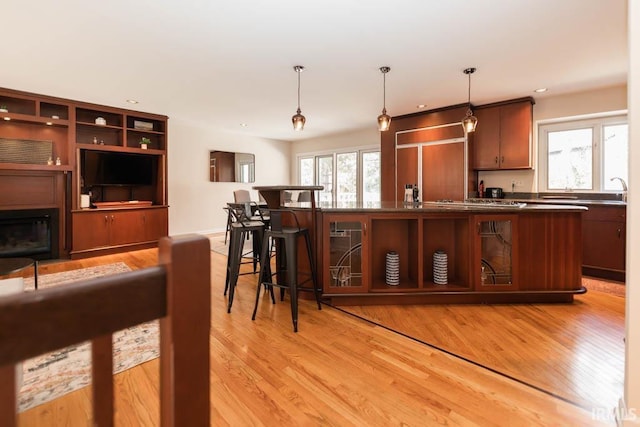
column 31, row 233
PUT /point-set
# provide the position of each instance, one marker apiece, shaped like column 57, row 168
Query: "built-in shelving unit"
column 45, row 136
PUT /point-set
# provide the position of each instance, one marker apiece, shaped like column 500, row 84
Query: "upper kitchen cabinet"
column 502, row 139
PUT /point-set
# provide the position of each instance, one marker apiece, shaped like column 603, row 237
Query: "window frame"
column 597, row 124
column 334, row 154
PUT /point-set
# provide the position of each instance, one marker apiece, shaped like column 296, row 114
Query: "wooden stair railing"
column 177, row 291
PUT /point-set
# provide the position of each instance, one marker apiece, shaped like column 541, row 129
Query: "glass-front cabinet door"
column 495, row 248
column 344, row 254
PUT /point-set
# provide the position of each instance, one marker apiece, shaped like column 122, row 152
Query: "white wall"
column 195, row 203
column 359, row 138
column 553, row 107
column 632, row 370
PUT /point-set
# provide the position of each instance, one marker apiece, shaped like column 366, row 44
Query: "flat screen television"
column 121, row 169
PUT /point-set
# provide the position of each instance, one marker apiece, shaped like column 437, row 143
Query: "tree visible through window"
column 356, row 175
column 584, row 155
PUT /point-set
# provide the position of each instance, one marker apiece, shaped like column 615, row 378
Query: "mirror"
column 225, row 166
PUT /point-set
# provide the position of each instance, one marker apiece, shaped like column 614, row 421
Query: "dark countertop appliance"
column 494, row 193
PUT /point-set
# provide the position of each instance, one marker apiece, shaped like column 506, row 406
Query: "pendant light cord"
column 299, row 91
column 384, row 93
column 469, row 93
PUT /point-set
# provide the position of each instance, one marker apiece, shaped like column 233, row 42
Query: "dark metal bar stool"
column 241, row 228
column 286, row 263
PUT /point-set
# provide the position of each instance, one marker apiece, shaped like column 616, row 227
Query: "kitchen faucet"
column 624, row 187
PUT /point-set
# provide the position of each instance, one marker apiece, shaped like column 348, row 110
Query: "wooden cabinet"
column 98, row 230
column 86, row 148
column 449, row 255
column 345, row 241
column 502, row 139
column 494, row 267
column 604, row 241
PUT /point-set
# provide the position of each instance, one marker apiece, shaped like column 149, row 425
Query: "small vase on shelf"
column 144, row 142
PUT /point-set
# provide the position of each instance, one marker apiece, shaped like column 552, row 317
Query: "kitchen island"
column 449, row 252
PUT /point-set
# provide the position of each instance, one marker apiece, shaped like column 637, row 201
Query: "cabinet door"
column 515, row 135
column 90, row 230
column 126, row 227
column 603, row 244
column 486, row 139
column 344, row 258
column 154, row 223
column 604, row 237
column 495, row 262
column 443, row 171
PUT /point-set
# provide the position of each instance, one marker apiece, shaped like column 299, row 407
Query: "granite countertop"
column 444, row 206
column 567, row 200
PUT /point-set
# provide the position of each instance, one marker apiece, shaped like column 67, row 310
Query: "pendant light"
column 384, row 120
column 298, row 119
column 470, row 121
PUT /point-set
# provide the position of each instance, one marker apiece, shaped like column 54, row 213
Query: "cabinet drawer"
column 605, row 213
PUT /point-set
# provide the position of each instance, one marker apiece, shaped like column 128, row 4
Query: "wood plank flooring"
column 344, row 371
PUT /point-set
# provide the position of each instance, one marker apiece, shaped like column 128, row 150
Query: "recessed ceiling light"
column 540, row 90
column 244, row 125
column 421, row 105
column 132, row 101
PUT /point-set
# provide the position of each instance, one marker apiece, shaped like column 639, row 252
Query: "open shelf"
column 398, row 235
column 450, row 235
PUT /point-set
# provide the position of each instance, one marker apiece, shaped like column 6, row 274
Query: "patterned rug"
column 55, row 374
column 218, row 244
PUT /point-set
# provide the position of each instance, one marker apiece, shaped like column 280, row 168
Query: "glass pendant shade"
column 384, row 120
column 470, row 121
column 298, row 119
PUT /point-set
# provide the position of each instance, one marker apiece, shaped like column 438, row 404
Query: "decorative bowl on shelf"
column 101, row 121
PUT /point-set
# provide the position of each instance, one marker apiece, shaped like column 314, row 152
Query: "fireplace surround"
column 31, row 233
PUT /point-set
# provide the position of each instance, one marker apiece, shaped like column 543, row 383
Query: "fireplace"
column 31, row 233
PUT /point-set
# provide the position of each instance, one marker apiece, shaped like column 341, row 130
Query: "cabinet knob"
column 619, row 233
column 496, row 160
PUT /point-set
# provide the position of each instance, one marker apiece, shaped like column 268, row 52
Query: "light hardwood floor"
column 341, row 370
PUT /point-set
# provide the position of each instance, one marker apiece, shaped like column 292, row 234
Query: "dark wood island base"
column 450, row 254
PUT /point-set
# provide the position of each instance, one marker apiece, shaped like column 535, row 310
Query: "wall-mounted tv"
column 122, row 169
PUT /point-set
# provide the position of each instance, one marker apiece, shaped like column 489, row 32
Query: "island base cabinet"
column 495, row 243
column 451, row 256
column 98, row 232
column 345, row 243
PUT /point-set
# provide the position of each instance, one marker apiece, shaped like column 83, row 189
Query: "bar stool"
column 287, row 264
column 241, row 228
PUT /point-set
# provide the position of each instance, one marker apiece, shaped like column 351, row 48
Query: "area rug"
column 55, row 374
column 218, row 244
column 614, row 288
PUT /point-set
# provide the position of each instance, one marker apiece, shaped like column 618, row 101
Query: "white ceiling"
column 224, row 63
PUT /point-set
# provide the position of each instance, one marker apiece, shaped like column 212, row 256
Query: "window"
column 356, row 175
column 584, row 155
